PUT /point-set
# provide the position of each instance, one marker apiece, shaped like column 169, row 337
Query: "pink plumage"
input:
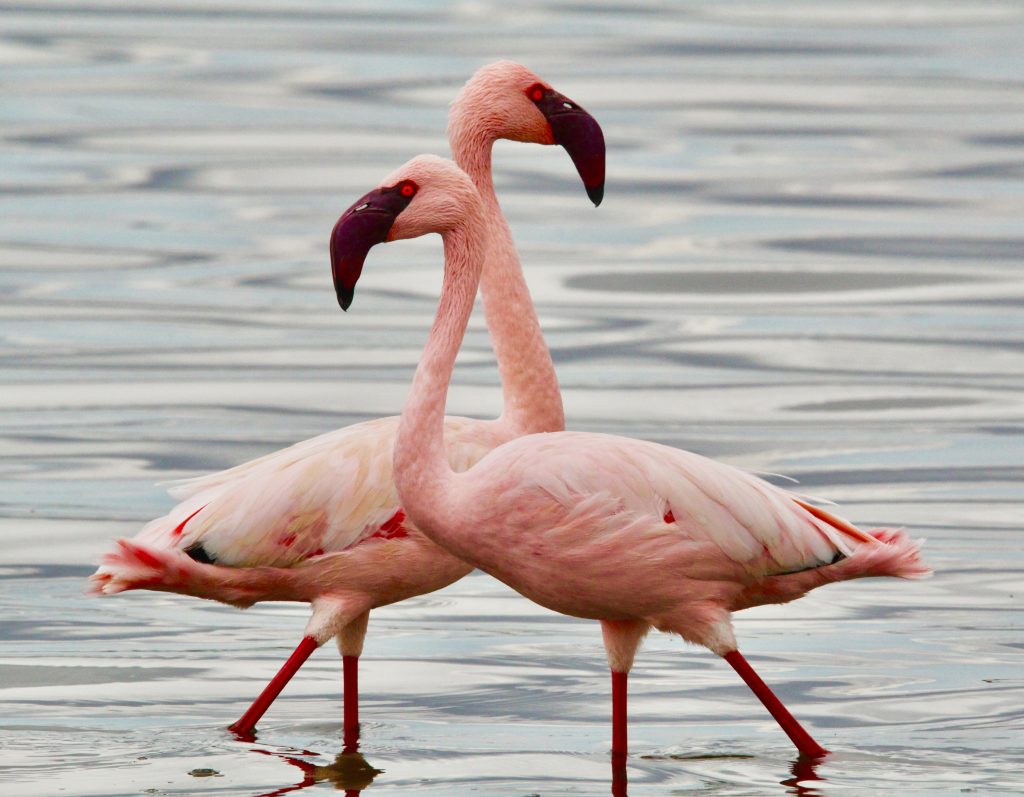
column 321, row 522
column 576, row 522
column 627, row 532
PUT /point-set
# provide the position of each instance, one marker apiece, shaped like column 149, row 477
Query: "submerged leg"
column 619, row 726
column 619, row 777
column 247, row 723
column 350, row 645
column 794, row 730
column 350, row 686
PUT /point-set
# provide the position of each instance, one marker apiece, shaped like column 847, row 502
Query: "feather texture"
column 322, row 496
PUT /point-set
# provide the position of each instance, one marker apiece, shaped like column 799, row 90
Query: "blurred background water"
column 808, row 262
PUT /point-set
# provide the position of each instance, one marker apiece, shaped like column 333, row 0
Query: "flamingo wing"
column 661, row 494
column 314, row 446
column 321, row 496
column 755, row 523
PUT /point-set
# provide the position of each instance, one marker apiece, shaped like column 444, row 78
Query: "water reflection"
column 808, row 262
column 804, row 770
column 349, row 772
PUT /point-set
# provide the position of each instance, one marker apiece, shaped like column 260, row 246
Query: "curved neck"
column 421, row 470
column 532, row 400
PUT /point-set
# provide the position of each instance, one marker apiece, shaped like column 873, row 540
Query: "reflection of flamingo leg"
column 804, row 768
column 349, row 771
column 308, row 773
column 246, row 725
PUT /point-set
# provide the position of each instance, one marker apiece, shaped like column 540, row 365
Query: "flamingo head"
column 427, row 194
column 507, row 100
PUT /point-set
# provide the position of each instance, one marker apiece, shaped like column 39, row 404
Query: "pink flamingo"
column 630, row 533
column 320, row 522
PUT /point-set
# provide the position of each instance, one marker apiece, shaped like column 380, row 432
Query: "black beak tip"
column 596, row 194
column 345, row 297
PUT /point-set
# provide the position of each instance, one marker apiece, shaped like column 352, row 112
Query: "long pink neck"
column 533, row 402
column 422, row 473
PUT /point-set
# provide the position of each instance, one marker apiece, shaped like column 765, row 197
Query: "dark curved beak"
column 361, row 227
column 581, row 135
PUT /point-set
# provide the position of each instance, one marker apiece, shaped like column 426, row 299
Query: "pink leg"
column 350, row 727
column 247, row 724
column 801, row 738
column 619, row 746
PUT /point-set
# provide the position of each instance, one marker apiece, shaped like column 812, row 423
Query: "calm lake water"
column 809, row 262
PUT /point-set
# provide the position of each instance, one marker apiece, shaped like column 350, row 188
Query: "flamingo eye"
column 535, row 92
column 407, row 189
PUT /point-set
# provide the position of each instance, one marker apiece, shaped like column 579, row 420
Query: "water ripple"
column 806, row 263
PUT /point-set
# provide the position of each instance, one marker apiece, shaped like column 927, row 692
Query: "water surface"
column 808, row 262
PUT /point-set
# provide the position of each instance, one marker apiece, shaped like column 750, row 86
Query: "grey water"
column 808, row 262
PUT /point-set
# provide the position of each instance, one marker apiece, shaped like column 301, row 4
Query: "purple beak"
column 361, row 227
column 581, row 135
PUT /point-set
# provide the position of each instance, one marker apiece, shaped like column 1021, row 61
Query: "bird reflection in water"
column 803, row 769
column 349, row 772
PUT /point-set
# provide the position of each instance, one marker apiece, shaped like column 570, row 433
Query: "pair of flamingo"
column 630, row 533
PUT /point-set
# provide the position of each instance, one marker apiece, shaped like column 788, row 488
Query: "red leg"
column 619, row 777
column 350, row 727
column 801, row 738
column 619, row 715
column 247, row 724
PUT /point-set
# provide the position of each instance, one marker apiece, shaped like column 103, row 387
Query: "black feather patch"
column 198, row 553
column 840, row 556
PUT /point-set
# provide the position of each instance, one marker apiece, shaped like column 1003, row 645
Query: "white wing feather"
column 319, row 496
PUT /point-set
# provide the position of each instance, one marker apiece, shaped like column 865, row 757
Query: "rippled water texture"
column 808, row 262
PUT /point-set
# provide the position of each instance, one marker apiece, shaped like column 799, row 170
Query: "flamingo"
column 320, row 522
column 630, row 533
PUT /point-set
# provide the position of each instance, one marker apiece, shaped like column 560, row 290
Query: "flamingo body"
column 618, row 529
column 321, row 522
column 318, row 522
column 628, row 532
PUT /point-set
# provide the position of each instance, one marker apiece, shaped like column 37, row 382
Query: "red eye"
column 407, row 189
column 535, row 92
